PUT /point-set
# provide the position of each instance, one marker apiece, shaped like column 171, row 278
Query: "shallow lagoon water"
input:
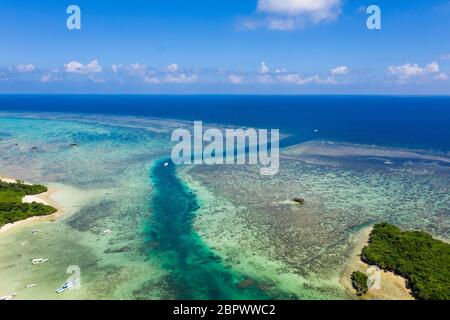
column 223, row 224
column 106, row 178
column 301, row 249
column 195, row 272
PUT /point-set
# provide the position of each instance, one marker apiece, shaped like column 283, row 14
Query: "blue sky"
column 233, row 46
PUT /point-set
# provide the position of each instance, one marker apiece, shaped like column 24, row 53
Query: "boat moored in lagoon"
column 66, row 286
column 8, row 297
column 39, row 261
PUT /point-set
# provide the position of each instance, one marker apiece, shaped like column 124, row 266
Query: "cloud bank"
column 261, row 76
column 409, row 71
column 288, row 15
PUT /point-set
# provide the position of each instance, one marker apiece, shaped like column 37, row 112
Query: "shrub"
column 359, row 282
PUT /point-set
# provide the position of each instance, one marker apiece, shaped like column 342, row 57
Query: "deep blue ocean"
column 394, row 121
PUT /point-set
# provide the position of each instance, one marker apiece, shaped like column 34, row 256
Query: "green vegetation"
column 359, row 282
column 415, row 255
column 11, row 207
column 22, row 188
column 10, row 196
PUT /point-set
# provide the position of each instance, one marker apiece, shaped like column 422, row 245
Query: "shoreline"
column 44, row 198
column 392, row 286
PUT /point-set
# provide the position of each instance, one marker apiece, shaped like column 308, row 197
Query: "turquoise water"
column 394, row 121
column 202, row 232
column 194, row 271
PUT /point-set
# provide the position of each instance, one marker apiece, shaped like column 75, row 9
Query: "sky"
column 232, row 46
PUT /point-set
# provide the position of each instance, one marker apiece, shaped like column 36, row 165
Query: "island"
column 423, row 261
column 12, row 206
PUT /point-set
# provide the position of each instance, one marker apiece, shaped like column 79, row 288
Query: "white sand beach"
column 46, row 198
column 392, row 286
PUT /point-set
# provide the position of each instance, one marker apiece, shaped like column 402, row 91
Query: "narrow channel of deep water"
column 194, row 271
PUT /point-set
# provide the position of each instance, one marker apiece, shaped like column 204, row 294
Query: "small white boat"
column 66, row 286
column 166, row 164
column 105, row 232
column 315, row 130
column 8, row 297
column 39, row 261
column 31, row 285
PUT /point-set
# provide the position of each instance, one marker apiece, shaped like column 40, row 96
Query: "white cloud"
column 246, row 23
column 445, row 56
column 51, row 76
column 294, row 78
column 152, row 80
column 284, row 24
column 180, row 78
column 47, row 77
column 432, row 67
column 408, row 70
column 264, row 68
column 282, row 70
column 79, row 68
column 236, row 79
column 169, row 77
column 97, row 80
column 282, row 76
column 116, row 67
column 287, row 15
column 266, row 79
column 137, row 67
column 169, row 74
column 340, row 70
column 442, row 76
column 24, row 68
column 319, row 8
column 132, row 68
column 172, row 67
